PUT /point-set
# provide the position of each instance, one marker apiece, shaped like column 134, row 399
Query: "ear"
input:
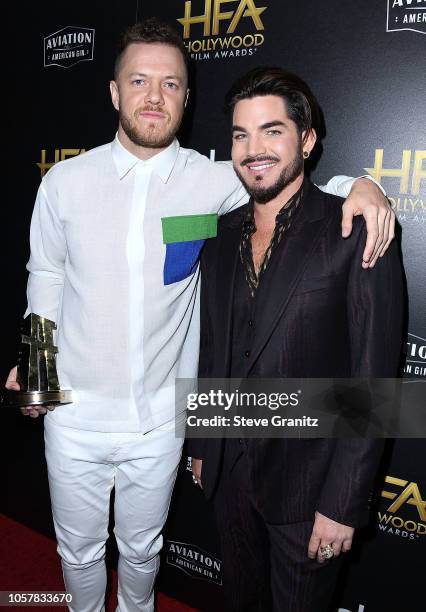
column 186, row 98
column 115, row 96
column 309, row 138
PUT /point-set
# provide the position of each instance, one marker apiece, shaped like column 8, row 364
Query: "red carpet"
column 29, row 561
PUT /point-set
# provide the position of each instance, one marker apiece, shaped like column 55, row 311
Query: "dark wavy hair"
column 302, row 107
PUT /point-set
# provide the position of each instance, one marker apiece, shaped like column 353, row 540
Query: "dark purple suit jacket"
column 324, row 316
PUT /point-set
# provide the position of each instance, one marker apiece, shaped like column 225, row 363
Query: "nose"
column 154, row 95
column 255, row 145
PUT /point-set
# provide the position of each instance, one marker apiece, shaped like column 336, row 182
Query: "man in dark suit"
column 283, row 295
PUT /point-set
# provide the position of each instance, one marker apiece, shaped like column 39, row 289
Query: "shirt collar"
column 162, row 163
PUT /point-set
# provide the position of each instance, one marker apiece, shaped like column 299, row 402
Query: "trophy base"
column 37, row 398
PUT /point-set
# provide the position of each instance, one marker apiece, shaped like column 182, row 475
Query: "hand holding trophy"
column 33, row 385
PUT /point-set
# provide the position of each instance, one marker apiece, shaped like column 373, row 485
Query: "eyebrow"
column 264, row 126
column 270, row 124
column 174, row 77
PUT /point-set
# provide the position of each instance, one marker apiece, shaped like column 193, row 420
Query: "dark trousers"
column 265, row 566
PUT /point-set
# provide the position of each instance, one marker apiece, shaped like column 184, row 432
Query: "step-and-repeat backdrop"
column 365, row 62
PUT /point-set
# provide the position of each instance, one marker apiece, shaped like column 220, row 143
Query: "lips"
column 261, row 166
column 152, row 115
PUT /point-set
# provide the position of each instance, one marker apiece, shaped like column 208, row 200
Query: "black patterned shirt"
column 283, row 221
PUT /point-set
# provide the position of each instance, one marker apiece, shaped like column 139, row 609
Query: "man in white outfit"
column 115, row 239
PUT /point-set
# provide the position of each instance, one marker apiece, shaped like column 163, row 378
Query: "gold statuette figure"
column 36, row 375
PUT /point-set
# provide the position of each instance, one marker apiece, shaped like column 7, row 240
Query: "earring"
column 306, row 154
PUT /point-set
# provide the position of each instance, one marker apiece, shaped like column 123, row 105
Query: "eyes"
column 172, row 85
column 240, row 136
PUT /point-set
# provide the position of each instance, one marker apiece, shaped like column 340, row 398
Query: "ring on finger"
column 326, row 551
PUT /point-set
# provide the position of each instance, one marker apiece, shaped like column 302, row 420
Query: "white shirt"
column 126, row 304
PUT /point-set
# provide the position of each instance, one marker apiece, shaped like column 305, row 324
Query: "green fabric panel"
column 189, row 227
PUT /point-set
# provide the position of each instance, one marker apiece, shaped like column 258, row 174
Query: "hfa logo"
column 406, row 15
column 406, row 198
column 60, row 155
column 69, row 46
column 402, row 526
column 222, row 33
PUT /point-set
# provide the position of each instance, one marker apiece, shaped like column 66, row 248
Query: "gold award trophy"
column 36, row 373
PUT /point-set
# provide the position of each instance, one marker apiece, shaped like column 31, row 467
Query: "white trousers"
column 83, row 467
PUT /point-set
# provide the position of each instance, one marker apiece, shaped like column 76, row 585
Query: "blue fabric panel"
column 181, row 260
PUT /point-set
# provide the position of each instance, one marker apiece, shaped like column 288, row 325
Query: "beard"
column 150, row 137
column 263, row 195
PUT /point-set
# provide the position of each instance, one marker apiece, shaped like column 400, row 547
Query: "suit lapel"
column 293, row 257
